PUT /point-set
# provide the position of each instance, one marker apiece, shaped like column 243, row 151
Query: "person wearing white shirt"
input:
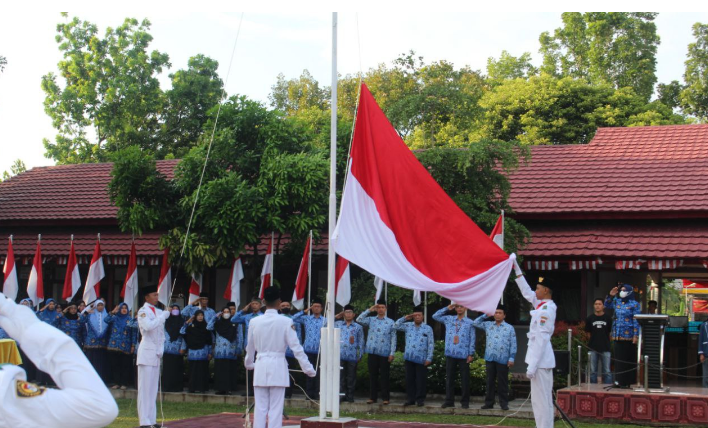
column 268, row 338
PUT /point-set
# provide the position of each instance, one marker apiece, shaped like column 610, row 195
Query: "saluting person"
column 201, row 304
column 381, row 347
column 351, row 350
column 418, row 354
column 539, row 356
column 228, row 348
column 268, row 337
column 314, row 322
column 285, row 309
column 151, row 322
column 459, row 351
column 499, row 354
column 244, row 317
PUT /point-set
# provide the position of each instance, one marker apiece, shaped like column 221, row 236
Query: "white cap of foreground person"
column 81, row 400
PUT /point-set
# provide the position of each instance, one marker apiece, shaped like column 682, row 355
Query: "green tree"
column 669, row 94
column 616, row 48
column 291, row 96
column 694, row 98
column 510, row 67
column 18, row 167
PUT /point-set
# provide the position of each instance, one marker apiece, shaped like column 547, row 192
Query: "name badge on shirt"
column 456, row 340
column 351, row 339
column 27, row 389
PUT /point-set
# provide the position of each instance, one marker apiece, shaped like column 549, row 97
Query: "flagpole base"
column 316, row 422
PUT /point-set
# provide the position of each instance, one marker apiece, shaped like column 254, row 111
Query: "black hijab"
column 198, row 336
column 68, row 315
column 225, row 328
column 173, row 324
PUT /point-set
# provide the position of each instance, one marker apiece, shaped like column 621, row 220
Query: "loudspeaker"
column 562, row 363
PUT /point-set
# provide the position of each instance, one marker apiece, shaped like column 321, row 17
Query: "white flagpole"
column 272, row 259
column 425, row 307
column 502, row 247
column 309, row 274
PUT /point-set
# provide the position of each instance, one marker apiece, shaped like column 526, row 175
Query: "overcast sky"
column 270, row 44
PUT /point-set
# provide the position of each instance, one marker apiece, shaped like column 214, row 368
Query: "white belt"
column 260, row 355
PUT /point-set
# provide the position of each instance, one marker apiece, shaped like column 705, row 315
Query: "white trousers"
column 542, row 398
column 269, row 402
column 148, row 381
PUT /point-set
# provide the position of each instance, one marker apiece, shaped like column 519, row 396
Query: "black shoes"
column 505, row 407
column 420, row 404
column 408, row 403
column 465, row 406
column 487, row 407
column 446, row 405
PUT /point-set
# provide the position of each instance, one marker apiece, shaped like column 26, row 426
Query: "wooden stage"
column 680, row 405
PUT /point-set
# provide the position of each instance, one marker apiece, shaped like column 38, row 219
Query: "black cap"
column 256, row 298
column 546, row 282
column 271, row 294
column 148, row 290
column 203, row 295
column 501, row 307
column 381, row 302
column 349, row 308
column 418, row 309
column 317, row 300
column 231, row 304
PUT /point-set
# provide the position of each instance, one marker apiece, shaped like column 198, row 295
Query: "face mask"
column 226, row 315
column 623, row 294
column 175, row 312
column 285, row 311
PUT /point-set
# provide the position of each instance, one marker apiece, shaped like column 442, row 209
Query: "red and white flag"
column 35, row 284
column 10, row 285
column 343, row 283
column 379, row 286
column 72, row 280
column 195, row 288
column 399, row 224
column 417, row 298
column 497, row 234
column 267, row 272
column 233, row 288
column 164, row 287
column 92, row 290
column 303, row 274
column 129, row 293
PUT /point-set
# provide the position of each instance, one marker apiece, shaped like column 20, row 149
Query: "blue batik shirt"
column 312, row 330
column 72, row 328
column 459, row 335
column 223, row 348
column 245, row 318
column 624, row 327
column 501, row 340
column 382, row 337
column 197, row 354
column 173, row 345
column 351, row 346
column 419, row 341
column 3, row 334
column 97, row 331
column 122, row 336
column 298, row 330
column 49, row 316
column 188, row 312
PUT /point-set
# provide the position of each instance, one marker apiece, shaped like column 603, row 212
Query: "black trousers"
column 293, row 365
column 626, row 364
column 172, row 373
column 347, row 379
column 313, row 383
column 199, row 376
column 225, row 375
column 452, row 367
column 98, row 358
column 379, row 377
column 497, row 376
column 416, row 379
column 121, row 367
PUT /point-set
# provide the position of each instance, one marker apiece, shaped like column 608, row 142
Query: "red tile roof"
column 63, row 192
column 622, row 170
column 651, row 240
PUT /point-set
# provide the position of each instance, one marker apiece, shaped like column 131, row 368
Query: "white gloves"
column 310, row 372
column 517, row 269
column 530, row 375
column 165, row 314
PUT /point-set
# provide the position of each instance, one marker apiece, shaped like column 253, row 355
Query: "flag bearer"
column 539, row 356
column 351, row 350
column 285, row 309
column 313, row 324
column 459, row 351
column 381, row 347
column 418, row 354
column 244, row 317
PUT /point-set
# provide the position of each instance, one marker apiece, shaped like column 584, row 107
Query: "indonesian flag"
column 72, row 280
column 92, row 290
column 233, row 288
column 195, row 288
column 164, row 287
column 497, row 234
column 129, row 293
column 343, row 284
column 267, row 272
column 379, row 285
column 397, row 223
column 10, row 285
column 302, row 275
column 35, row 285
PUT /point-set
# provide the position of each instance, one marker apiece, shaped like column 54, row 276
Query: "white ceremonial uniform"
column 539, row 355
column 268, row 338
column 151, row 322
column 82, row 400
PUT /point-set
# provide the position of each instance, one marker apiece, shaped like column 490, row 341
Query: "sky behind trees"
column 271, row 44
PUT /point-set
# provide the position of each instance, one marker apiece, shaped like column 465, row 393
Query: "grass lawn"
column 128, row 418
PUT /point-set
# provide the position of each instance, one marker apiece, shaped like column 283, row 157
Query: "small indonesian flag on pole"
column 343, row 284
column 302, row 277
column 233, row 288
column 497, row 234
column 417, row 298
column 164, row 287
column 267, row 272
column 129, row 293
column 72, row 280
column 379, row 285
column 195, row 288
column 10, row 285
column 92, row 290
column 35, row 285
